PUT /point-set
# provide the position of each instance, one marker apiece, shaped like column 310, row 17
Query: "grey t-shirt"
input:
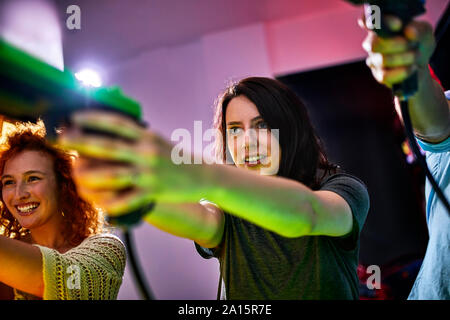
column 259, row 264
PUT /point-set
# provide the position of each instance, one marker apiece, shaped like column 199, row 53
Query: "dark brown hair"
column 302, row 154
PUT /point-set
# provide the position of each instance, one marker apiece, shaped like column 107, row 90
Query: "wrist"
column 424, row 77
column 424, row 83
column 428, row 88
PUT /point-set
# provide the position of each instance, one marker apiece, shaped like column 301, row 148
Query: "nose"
column 250, row 139
column 22, row 191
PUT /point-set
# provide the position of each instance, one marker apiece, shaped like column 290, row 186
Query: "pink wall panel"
column 312, row 42
column 331, row 37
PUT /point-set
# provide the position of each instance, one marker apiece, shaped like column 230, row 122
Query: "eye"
column 234, row 130
column 7, row 182
column 262, row 125
column 33, row 178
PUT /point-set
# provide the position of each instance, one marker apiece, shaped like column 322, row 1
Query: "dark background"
column 356, row 119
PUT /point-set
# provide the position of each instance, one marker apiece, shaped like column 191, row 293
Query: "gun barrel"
column 31, row 89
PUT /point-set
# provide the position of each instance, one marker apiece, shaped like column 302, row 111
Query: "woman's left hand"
column 123, row 173
column 393, row 59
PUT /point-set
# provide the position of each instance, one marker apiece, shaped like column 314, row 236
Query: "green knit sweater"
column 91, row 271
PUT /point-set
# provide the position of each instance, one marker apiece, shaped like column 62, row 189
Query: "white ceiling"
column 120, row 29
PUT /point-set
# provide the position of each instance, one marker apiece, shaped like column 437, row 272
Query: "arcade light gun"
column 31, row 89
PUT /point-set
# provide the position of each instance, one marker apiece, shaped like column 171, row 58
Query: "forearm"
column 274, row 203
column 21, row 266
column 429, row 109
column 188, row 220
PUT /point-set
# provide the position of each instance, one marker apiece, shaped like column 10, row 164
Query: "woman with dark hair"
column 303, row 150
column 282, row 222
column 53, row 243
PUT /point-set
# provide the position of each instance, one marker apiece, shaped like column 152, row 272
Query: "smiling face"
column 251, row 143
column 29, row 188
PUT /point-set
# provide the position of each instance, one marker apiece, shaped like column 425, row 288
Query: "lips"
column 27, row 208
column 252, row 161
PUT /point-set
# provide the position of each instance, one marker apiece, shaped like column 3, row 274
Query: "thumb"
column 418, row 31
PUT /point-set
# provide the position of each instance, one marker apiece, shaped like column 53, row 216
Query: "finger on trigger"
column 391, row 45
column 397, row 75
column 418, row 30
column 399, row 59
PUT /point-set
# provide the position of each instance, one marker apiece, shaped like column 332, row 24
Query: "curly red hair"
column 81, row 218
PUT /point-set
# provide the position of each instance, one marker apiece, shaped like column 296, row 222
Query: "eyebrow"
column 239, row 122
column 26, row 173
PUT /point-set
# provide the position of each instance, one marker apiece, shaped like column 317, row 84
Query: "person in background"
column 391, row 61
column 53, row 244
column 281, row 219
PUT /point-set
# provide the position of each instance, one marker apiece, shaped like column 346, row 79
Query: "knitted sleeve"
column 91, row 271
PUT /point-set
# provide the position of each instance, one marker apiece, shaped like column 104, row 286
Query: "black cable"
column 126, row 222
column 144, row 290
column 418, row 155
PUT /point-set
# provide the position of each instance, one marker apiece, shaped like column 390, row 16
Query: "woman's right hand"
column 123, row 174
column 392, row 60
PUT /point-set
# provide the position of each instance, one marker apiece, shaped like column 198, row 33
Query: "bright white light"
column 89, row 78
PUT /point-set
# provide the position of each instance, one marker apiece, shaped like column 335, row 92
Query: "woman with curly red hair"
column 53, row 245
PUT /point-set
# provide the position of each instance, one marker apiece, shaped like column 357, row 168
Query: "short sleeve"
column 440, row 147
column 209, row 253
column 206, row 253
column 356, row 195
column 91, row 271
column 443, row 146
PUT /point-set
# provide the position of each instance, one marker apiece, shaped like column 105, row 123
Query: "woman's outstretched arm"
column 146, row 171
column 21, row 266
